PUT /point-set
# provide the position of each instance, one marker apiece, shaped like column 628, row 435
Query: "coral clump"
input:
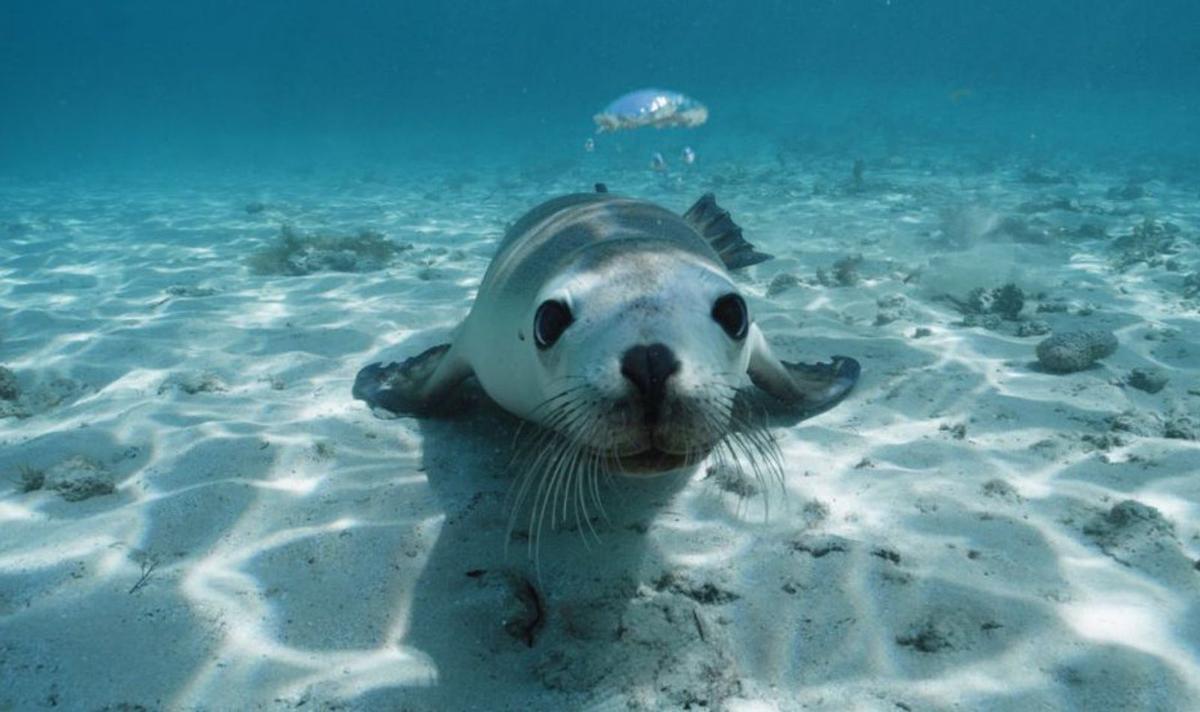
column 1075, row 350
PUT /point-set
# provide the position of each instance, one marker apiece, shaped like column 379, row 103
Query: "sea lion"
column 615, row 326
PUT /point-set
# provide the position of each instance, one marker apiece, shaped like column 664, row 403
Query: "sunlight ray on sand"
column 218, row 584
column 1139, row 623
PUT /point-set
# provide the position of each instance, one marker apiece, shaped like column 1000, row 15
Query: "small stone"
column 820, row 547
column 1091, row 230
column 732, row 479
column 1179, row 428
column 1058, row 306
column 702, row 592
column 84, row 488
column 1000, row 489
column 887, row 554
column 887, row 316
column 845, row 272
column 79, row 478
column 182, row 290
column 1008, row 301
column 1129, row 191
column 1156, row 333
column 193, row 383
column 931, row 636
column 1036, row 327
column 1150, row 380
column 814, row 512
column 1127, row 518
column 1191, row 285
column 1037, row 176
column 958, row 431
column 1133, row 422
column 32, row 479
column 1102, row 441
column 781, row 283
column 921, row 332
column 8, row 385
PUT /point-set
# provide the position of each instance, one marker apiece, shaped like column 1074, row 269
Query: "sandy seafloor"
column 212, row 523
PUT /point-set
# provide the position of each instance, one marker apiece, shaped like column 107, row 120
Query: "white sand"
column 269, row 544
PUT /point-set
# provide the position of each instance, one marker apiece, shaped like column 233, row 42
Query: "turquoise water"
column 214, row 214
column 131, row 86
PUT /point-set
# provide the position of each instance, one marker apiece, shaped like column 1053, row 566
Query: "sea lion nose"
column 648, row 368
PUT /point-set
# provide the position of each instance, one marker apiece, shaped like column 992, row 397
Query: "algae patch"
column 297, row 254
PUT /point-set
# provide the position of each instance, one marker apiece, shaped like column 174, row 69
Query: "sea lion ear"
column 801, row 390
column 722, row 233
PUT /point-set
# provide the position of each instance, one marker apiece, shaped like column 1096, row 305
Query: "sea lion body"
column 615, row 325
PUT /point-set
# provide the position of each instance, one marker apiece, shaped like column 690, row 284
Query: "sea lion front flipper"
column 802, row 389
column 415, row 387
column 722, row 233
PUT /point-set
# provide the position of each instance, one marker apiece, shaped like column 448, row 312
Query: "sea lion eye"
column 730, row 312
column 551, row 320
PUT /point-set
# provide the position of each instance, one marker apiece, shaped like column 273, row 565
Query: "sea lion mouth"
column 655, row 462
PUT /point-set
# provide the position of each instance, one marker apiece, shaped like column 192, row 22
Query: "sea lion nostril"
column 648, row 368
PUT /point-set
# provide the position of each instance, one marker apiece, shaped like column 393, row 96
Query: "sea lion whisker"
column 530, row 454
column 693, row 451
column 757, row 468
column 530, row 445
column 714, row 429
column 564, row 463
column 768, row 444
column 542, row 470
column 745, row 454
column 533, row 414
column 760, row 441
column 575, row 487
column 568, row 466
column 720, row 463
column 551, row 480
column 592, row 472
column 595, row 466
column 726, row 445
column 561, row 467
column 584, row 479
column 535, row 451
column 529, row 474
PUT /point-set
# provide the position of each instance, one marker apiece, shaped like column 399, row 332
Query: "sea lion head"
column 642, row 349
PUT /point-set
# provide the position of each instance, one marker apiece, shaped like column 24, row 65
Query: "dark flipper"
column 795, row 391
column 824, row 384
column 714, row 225
column 417, row 386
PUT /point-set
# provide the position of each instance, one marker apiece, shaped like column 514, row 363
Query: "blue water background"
column 216, row 85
